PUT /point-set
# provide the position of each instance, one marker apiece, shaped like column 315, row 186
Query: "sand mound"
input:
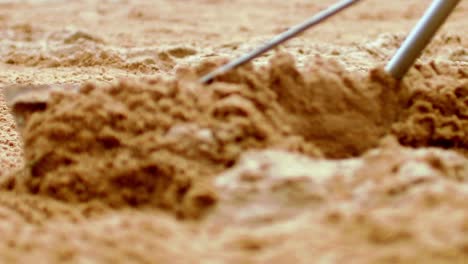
column 159, row 143
column 150, row 143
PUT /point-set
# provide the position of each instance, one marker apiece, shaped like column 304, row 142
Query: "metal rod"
column 420, row 37
column 294, row 31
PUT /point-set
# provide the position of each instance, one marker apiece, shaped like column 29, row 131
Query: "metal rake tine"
column 281, row 38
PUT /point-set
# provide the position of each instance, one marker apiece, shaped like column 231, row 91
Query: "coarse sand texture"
column 111, row 151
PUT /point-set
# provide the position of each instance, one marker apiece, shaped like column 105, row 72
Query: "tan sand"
column 309, row 155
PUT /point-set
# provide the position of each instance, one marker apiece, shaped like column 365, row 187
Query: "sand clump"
column 437, row 113
column 334, row 108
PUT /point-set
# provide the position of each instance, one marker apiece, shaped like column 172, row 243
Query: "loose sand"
column 311, row 154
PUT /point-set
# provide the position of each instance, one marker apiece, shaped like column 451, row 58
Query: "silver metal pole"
column 420, row 37
column 294, row 31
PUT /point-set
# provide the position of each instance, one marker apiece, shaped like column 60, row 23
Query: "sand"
column 113, row 152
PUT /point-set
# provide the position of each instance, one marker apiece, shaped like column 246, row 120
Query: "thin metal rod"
column 420, row 37
column 281, row 38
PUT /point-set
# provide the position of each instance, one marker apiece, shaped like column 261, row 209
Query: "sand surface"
column 112, row 152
